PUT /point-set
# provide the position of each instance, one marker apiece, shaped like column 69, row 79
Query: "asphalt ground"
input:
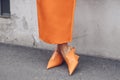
column 25, row 63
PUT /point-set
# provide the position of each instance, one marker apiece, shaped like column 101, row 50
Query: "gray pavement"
column 24, row 63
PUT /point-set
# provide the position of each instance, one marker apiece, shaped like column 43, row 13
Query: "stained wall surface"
column 96, row 27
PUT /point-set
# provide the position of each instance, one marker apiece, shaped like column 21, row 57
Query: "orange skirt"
column 55, row 20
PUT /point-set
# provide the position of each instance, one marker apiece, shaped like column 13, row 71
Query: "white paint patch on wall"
column 96, row 27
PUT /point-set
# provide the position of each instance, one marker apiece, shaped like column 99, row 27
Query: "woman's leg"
column 63, row 48
column 64, row 53
column 68, row 53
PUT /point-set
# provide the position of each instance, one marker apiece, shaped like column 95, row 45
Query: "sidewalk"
column 23, row 63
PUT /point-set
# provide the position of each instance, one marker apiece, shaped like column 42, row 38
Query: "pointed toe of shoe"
column 55, row 60
column 72, row 60
column 72, row 67
column 51, row 64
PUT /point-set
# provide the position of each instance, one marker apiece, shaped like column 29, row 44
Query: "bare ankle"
column 64, row 48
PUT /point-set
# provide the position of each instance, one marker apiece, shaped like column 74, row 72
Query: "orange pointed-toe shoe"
column 72, row 60
column 55, row 60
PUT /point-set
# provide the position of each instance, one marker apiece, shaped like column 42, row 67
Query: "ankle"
column 65, row 50
column 58, row 50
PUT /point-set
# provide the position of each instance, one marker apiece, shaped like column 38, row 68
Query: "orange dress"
column 55, row 20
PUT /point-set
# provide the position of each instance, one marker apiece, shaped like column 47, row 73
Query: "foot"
column 71, row 59
column 55, row 60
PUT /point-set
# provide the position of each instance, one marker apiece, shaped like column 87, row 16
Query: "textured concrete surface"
column 96, row 27
column 24, row 63
column 22, row 26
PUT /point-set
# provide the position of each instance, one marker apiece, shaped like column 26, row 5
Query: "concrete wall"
column 96, row 27
column 22, row 25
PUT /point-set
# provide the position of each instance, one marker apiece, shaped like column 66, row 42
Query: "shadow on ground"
column 23, row 63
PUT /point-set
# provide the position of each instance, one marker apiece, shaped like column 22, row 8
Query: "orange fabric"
column 55, row 20
column 55, row 60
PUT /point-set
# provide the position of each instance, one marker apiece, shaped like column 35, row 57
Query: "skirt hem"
column 53, row 42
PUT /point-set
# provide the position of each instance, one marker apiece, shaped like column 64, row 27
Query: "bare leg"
column 63, row 48
column 69, row 56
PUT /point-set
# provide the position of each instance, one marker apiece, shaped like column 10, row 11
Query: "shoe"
column 55, row 60
column 72, row 60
